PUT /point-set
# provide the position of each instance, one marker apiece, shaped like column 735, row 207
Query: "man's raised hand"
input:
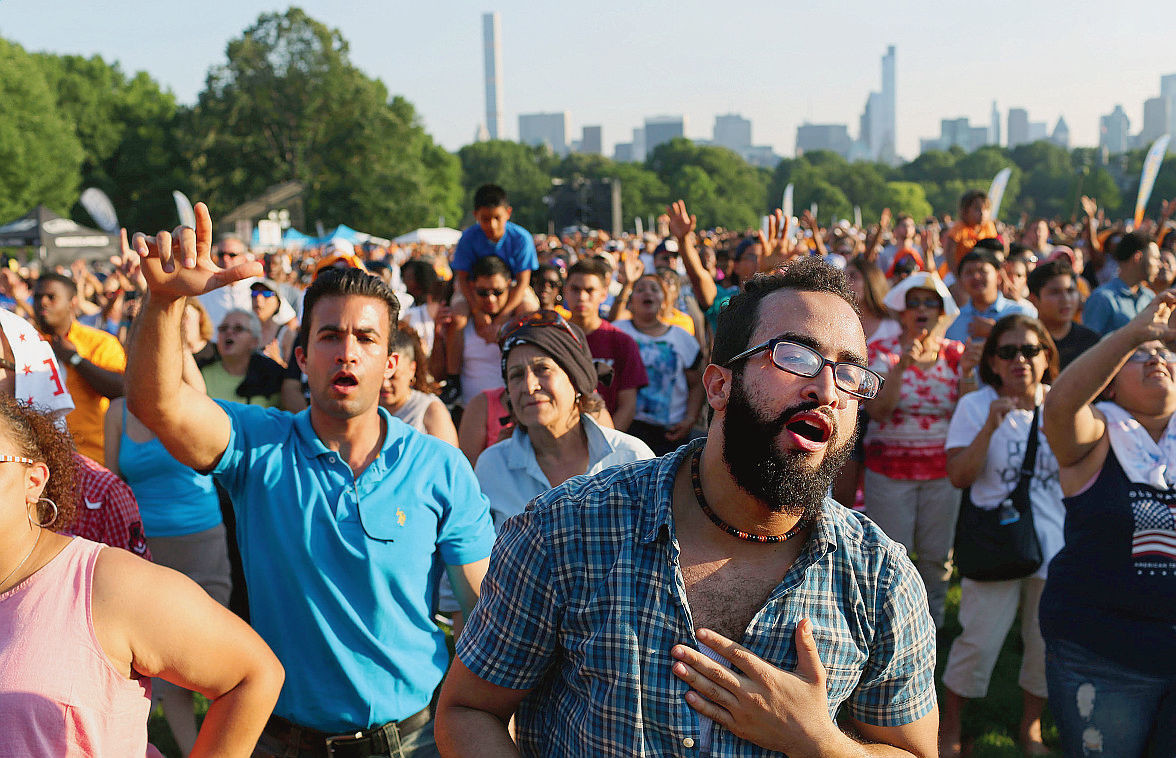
column 681, row 223
column 179, row 264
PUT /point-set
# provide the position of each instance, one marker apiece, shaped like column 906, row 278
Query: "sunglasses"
column 802, row 360
column 930, row 303
column 537, row 318
column 264, row 293
column 545, row 283
column 488, row 291
column 1143, row 356
column 1009, row 352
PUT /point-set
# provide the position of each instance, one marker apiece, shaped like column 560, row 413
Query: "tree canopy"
column 287, row 103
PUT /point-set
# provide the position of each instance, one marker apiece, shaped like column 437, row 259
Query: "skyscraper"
column 659, row 129
column 878, row 130
column 1061, row 134
column 492, row 48
column 834, row 137
column 545, row 129
column 592, row 140
column 1018, row 133
column 994, row 127
column 732, row 132
column 1157, row 120
column 1112, row 131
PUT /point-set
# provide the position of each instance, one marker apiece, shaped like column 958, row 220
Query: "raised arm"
column 776, row 244
column 191, row 426
column 875, row 243
column 1070, row 423
column 681, row 225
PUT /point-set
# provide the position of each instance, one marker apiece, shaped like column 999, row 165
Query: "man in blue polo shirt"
column 1118, row 301
column 345, row 516
column 979, row 273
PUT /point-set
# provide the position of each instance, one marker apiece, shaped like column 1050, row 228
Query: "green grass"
column 989, row 725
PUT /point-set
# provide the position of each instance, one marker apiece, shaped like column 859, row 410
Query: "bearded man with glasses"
column 713, row 600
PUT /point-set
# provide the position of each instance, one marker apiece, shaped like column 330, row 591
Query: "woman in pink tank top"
column 83, row 628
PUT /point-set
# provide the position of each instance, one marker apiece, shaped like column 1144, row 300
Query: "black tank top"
column 1112, row 588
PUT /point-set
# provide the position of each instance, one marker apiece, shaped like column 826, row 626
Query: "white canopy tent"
column 441, row 235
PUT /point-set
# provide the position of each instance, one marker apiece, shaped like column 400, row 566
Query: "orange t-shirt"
column 87, row 420
column 966, row 237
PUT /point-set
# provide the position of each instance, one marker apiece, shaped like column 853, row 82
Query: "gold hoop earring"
column 44, row 524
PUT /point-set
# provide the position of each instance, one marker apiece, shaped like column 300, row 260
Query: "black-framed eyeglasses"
column 1143, row 356
column 541, row 317
column 802, row 360
column 1009, row 352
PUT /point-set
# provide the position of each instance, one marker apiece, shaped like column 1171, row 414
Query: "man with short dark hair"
column 1053, row 290
column 715, row 599
column 585, row 291
column 346, row 517
column 1113, row 304
column 92, row 359
column 979, row 274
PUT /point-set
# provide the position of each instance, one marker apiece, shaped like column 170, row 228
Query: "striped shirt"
column 585, row 598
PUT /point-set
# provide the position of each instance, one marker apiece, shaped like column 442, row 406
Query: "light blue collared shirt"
column 510, row 475
column 1001, row 307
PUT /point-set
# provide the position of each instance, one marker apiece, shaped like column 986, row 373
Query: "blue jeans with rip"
column 1104, row 709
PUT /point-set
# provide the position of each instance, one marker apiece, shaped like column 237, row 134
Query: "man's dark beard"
column 784, row 482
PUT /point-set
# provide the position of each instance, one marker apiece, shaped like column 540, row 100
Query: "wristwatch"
column 75, row 359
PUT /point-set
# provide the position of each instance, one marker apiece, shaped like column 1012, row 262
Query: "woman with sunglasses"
column 84, row 628
column 986, row 446
column 1108, row 611
column 279, row 324
column 906, row 489
column 550, row 389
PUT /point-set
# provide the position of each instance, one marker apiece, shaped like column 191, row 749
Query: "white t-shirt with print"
column 1002, row 469
column 666, row 358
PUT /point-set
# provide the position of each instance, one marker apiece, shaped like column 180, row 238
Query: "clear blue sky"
column 613, row 62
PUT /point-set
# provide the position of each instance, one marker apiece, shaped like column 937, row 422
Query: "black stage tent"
column 58, row 241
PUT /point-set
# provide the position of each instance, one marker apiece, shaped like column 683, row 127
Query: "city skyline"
column 633, row 61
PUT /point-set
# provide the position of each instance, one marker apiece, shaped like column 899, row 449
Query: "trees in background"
column 288, row 104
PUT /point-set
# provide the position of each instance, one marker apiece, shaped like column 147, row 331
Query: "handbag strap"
column 1028, row 463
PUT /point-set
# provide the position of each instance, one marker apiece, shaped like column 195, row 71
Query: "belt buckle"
column 341, row 740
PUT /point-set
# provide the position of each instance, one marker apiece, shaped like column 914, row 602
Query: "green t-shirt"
column 221, row 385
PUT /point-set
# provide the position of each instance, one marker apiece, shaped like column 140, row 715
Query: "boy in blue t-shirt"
column 493, row 234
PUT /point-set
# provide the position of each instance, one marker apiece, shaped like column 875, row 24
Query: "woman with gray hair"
column 242, row 374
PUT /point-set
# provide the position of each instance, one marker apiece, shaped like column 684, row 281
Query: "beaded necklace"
column 714, row 517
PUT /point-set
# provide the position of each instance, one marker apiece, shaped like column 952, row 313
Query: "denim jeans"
column 1105, row 709
column 419, row 744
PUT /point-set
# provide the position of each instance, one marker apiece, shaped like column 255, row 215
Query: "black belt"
column 374, row 741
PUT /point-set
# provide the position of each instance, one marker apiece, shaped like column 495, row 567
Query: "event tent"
column 441, row 235
column 58, row 240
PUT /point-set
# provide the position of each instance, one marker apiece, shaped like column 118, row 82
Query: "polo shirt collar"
column 312, row 447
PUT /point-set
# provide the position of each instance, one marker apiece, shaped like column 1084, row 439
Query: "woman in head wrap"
column 550, row 380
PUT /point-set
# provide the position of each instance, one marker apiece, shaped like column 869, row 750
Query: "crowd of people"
column 614, row 469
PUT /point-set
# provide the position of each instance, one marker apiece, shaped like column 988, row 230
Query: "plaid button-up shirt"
column 585, row 598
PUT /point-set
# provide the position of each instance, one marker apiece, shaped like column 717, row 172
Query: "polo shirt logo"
column 400, row 516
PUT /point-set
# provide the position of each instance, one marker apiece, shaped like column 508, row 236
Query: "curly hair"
column 37, row 437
